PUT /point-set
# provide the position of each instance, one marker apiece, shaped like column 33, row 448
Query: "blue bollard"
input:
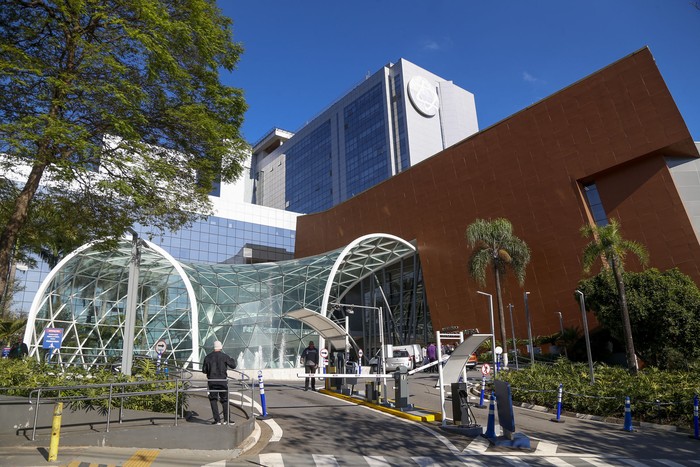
column 628, row 415
column 483, row 388
column 491, row 425
column 695, row 417
column 560, row 394
column 262, row 394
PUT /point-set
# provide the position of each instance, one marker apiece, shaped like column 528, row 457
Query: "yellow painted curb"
column 426, row 417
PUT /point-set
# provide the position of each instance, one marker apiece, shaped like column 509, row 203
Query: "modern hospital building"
column 373, row 198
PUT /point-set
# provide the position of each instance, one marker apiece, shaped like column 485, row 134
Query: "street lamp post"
column 585, row 332
column 561, row 328
column 529, row 330
column 512, row 328
column 493, row 335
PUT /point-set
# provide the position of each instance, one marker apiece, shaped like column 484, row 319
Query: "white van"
column 415, row 352
column 415, row 355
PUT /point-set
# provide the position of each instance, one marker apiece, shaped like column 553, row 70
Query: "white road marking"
column 273, row 459
column 276, row 430
column 546, row 449
column 478, row 446
column 376, row 461
column 324, row 460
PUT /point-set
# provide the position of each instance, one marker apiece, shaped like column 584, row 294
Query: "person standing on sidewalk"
column 432, row 356
column 216, row 364
column 310, row 358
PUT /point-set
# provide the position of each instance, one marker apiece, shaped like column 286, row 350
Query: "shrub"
column 656, row 396
column 19, row 377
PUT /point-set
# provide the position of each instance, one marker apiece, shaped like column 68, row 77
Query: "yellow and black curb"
column 416, row 414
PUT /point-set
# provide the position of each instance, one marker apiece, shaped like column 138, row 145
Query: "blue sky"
column 301, row 56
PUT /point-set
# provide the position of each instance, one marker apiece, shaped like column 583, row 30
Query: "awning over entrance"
column 325, row 327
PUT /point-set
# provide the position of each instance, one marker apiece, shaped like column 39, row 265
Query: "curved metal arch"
column 360, row 258
column 30, row 331
column 41, row 292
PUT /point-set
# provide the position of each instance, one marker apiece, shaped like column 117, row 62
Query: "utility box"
column 401, row 388
column 457, row 402
column 371, row 394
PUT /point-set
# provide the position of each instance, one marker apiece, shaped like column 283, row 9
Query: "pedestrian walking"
column 216, row 365
column 310, row 358
column 432, row 356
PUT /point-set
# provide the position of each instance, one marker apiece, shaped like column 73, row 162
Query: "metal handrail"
column 37, row 392
column 117, row 391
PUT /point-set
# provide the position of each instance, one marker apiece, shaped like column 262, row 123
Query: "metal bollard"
column 262, row 394
column 55, row 431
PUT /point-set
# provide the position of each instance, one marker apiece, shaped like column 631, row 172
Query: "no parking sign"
column 161, row 346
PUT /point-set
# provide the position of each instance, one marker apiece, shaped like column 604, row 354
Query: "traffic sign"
column 324, row 353
column 161, row 345
column 359, row 352
column 485, row 369
column 52, row 338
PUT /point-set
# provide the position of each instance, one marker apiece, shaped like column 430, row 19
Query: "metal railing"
column 181, row 384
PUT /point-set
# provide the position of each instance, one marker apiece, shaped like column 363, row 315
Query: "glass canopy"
column 189, row 306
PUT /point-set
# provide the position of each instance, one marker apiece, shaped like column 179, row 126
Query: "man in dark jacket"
column 309, row 357
column 215, row 367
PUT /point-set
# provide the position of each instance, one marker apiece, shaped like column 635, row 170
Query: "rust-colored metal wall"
column 613, row 127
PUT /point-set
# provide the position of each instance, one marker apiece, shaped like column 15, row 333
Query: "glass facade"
column 218, row 240
column 366, row 162
column 192, row 305
column 212, row 240
column 309, row 172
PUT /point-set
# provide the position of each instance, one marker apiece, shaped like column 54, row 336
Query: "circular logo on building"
column 423, row 96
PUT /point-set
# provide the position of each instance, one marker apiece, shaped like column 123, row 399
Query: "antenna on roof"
column 368, row 75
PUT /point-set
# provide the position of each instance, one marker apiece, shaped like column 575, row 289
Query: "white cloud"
column 431, row 45
column 527, row 77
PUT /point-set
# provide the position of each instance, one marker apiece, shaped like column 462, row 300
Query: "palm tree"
column 608, row 245
column 494, row 244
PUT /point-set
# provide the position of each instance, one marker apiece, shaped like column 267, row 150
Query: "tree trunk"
column 501, row 314
column 626, row 325
column 10, row 233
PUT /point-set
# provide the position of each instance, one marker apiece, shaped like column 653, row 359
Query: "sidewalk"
column 141, row 434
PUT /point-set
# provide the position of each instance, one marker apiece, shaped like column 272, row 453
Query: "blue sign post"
column 52, row 341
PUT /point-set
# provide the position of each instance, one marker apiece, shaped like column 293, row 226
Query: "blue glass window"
column 595, row 204
column 366, row 161
column 308, row 168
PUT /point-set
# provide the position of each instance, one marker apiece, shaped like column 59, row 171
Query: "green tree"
column 494, row 244
column 113, row 113
column 12, row 330
column 608, row 245
column 664, row 312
